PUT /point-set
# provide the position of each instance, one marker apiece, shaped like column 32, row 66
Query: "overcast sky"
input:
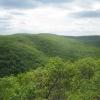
column 65, row 17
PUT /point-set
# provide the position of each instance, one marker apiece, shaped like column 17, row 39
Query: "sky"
column 62, row 17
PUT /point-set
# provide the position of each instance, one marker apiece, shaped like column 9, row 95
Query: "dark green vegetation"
column 22, row 52
column 57, row 80
column 49, row 67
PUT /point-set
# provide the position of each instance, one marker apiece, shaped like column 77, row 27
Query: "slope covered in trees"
column 23, row 52
column 57, row 80
column 49, row 67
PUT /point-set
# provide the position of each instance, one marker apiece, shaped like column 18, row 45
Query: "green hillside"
column 91, row 40
column 49, row 67
column 58, row 80
column 23, row 52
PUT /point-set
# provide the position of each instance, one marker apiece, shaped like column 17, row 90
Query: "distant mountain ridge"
column 22, row 52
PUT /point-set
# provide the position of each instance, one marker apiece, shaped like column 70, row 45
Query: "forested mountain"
column 23, row 52
column 49, row 67
column 57, row 80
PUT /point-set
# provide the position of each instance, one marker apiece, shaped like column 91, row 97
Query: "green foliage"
column 58, row 80
column 17, row 57
column 49, row 67
column 22, row 52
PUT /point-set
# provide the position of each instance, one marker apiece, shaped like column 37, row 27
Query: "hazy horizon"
column 48, row 33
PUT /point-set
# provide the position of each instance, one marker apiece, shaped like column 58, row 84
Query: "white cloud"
column 52, row 19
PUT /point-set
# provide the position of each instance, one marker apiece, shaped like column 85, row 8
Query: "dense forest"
column 49, row 67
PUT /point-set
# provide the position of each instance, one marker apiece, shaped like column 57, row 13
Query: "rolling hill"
column 23, row 52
